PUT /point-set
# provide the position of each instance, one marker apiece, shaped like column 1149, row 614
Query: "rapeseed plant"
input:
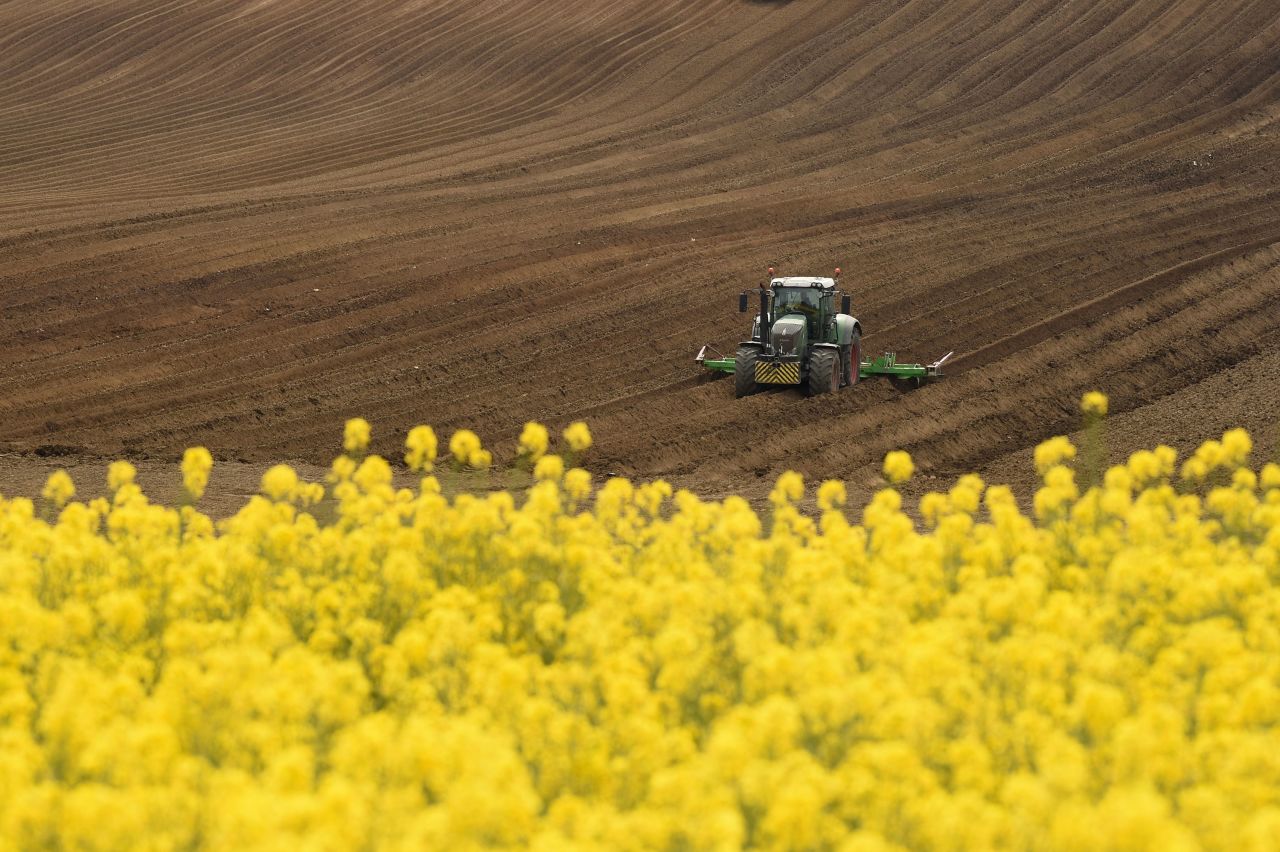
column 898, row 467
column 197, row 464
column 534, row 441
column 578, row 436
column 633, row 667
column 355, row 436
column 421, row 446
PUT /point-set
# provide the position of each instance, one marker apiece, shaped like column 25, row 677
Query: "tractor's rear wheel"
column 824, row 371
column 744, row 371
column 851, row 355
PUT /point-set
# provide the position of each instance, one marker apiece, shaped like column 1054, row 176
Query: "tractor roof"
column 802, row 281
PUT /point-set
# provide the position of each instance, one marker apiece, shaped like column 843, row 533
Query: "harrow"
column 883, row 365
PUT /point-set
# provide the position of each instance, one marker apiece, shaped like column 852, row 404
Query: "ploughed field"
column 237, row 223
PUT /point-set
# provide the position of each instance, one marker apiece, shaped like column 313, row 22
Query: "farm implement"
column 798, row 338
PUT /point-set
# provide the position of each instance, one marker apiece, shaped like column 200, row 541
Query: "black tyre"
column 744, row 371
column 852, row 356
column 824, row 371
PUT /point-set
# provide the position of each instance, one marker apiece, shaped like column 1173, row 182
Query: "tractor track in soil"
column 237, row 223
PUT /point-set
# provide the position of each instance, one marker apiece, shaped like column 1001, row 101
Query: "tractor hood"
column 789, row 335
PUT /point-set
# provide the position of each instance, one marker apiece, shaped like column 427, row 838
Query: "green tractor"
column 799, row 338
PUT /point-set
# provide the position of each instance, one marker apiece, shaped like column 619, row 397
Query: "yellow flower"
column 462, row 444
column 421, row 446
column 124, row 612
column 549, row 622
column 578, row 436
column 831, row 495
column 549, row 468
column 898, row 467
column 1095, row 403
column 343, row 468
column 197, row 463
column 788, row 489
column 1053, row 452
column 480, row 459
column 279, row 482
column 1245, row 479
column 373, row 475
column 355, row 435
column 1195, row 468
column 534, row 441
column 1237, row 445
column 120, row 474
column 1212, row 453
column 577, row 484
column 933, row 506
column 1271, row 475
column 59, row 488
column 1144, row 467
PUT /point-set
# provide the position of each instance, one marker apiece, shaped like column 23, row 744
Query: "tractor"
column 799, row 338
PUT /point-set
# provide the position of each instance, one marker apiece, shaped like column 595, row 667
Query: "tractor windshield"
column 806, row 300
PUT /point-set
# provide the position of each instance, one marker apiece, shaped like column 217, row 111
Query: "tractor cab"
column 812, row 298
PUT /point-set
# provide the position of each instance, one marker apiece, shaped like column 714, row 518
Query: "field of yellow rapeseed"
column 632, row 668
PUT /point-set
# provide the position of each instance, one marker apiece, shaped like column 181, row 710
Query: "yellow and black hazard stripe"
column 777, row 374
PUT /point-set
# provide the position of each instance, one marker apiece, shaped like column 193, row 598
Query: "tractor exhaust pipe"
column 766, row 322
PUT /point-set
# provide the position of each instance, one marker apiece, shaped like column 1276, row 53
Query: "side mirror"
column 846, row 304
column 742, row 303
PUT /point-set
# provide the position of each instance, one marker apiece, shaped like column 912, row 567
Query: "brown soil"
column 238, row 222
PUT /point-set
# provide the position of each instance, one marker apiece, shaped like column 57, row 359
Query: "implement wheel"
column 824, row 371
column 744, row 371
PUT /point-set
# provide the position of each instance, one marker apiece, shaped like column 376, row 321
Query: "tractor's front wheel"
column 744, row 371
column 824, row 371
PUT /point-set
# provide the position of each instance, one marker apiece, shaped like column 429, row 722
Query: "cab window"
column 792, row 298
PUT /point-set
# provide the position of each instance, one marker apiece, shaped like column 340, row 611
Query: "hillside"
column 239, row 222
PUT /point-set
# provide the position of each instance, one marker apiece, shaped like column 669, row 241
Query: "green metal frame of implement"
column 885, row 365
